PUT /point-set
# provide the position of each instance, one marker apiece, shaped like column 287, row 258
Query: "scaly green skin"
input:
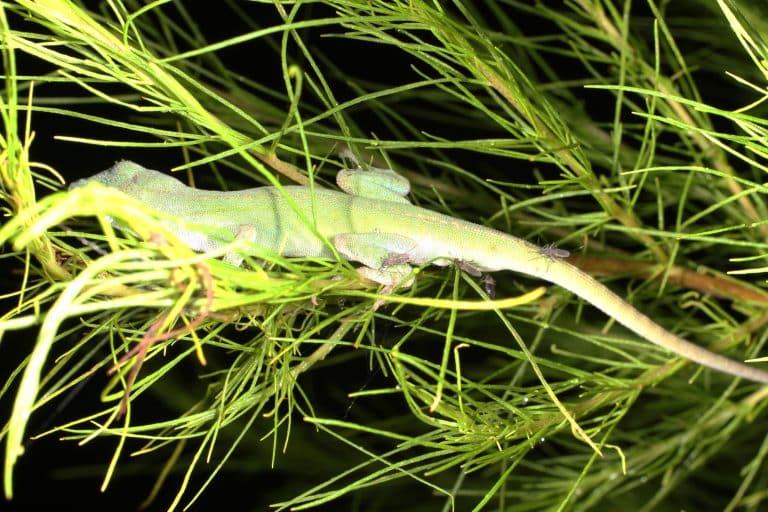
column 384, row 232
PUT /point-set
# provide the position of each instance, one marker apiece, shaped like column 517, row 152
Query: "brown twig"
column 717, row 286
column 151, row 337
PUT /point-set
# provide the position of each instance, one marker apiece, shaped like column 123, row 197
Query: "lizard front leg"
column 244, row 232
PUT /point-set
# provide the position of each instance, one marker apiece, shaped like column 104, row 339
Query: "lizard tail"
column 585, row 286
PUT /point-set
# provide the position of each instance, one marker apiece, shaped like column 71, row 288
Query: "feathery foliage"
column 630, row 133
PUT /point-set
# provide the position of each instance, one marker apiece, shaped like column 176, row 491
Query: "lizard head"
column 119, row 176
column 128, row 177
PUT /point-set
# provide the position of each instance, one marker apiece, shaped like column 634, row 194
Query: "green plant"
column 595, row 124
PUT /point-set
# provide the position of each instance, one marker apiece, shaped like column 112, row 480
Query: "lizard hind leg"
column 376, row 183
column 385, row 257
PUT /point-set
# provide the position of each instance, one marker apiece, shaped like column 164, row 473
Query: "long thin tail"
column 585, row 286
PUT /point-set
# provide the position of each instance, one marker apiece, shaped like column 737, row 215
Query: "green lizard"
column 374, row 224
